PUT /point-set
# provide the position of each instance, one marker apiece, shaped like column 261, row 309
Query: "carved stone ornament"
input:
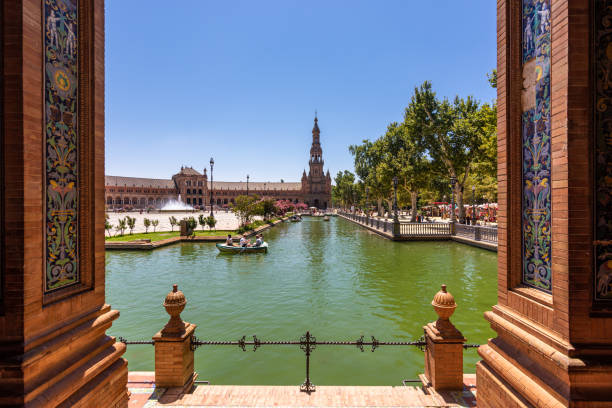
column 175, row 303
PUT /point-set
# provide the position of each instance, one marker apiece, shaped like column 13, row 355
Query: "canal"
column 333, row 278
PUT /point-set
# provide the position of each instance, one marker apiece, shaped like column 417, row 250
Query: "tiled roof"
column 138, row 182
column 189, row 171
column 255, row 185
column 219, row 185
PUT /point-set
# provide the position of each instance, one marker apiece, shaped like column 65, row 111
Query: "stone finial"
column 444, row 304
column 175, row 303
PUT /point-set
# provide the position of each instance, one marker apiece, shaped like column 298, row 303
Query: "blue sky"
column 240, row 80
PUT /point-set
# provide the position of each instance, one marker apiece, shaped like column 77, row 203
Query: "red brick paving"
column 142, row 390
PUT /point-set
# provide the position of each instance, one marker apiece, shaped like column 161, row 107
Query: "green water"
column 333, row 278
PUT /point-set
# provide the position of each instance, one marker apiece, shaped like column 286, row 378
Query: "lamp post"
column 473, row 205
column 247, row 185
column 367, row 191
column 212, row 163
column 395, row 214
column 453, row 180
column 444, row 208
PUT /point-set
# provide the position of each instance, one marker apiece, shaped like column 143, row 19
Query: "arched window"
column 225, row 201
column 188, row 200
column 188, row 191
column 143, row 201
column 151, row 201
column 200, row 191
column 218, row 201
column 199, row 201
column 109, row 200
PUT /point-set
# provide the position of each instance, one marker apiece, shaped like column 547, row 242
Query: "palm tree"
column 155, row 223
column 173, row 222
column 121, row 226
column 211, row 222
column 203, row 221
column 107, row 225
column 147, row 224
column 131, row 222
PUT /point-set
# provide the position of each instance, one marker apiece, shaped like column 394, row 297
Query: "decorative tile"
column 61, row 142
column 603, row 150
column 536, row 145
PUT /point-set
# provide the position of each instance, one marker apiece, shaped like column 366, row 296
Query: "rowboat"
column 242, row 250
column 326, row 218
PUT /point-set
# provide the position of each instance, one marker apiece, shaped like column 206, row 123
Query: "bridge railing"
column 426, row 229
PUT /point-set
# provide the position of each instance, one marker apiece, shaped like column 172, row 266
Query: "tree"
column 245, row 207
column 191, row 225
column 121, row 225
column 367, row 158
column 131, row 223
column 266, row 208
column 147, row 224
column 451, row 133
column 202, row 221
column 155, row 223
column 173, row 223
column 107, row 225
column 211, row 222
column 343, row 190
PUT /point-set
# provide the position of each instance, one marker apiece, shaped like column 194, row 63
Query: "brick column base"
column 174, row 359
column 444, row 355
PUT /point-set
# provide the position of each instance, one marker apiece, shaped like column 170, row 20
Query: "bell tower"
column 316, row 154
column 317, row 184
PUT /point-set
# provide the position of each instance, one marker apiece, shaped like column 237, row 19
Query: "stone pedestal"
column 444, row 352
column 173, row 352
column 174, row 359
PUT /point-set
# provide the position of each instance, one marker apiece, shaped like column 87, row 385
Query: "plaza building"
column 194, row 188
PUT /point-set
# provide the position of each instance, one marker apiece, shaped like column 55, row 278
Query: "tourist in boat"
column 244, row 242
column 229, row 241
column 259, row 240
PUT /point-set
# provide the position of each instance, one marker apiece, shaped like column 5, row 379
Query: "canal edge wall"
column 462, row 240
column 147, row 246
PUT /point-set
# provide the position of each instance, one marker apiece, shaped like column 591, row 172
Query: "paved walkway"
column 145, row 395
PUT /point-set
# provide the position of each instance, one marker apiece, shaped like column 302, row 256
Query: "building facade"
column 194, row 188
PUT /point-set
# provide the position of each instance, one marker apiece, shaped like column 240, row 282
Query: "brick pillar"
column 54, row 346
column 553, row 317
column 173, row 353
column 444, row 352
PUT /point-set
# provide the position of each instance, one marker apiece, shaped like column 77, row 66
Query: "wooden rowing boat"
column 242, row 250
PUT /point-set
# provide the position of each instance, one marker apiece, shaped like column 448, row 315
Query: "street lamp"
column 212, row 163
column 453, row 181
column 473, row 205
column 395, row 214
column 247, row 185
column 367, row 191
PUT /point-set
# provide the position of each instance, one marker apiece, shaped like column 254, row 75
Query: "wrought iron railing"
column 307, row 343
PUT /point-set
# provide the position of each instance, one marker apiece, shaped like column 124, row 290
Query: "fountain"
column 176, row 206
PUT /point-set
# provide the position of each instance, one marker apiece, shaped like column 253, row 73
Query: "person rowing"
column 244, row 242
column 229, row 241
